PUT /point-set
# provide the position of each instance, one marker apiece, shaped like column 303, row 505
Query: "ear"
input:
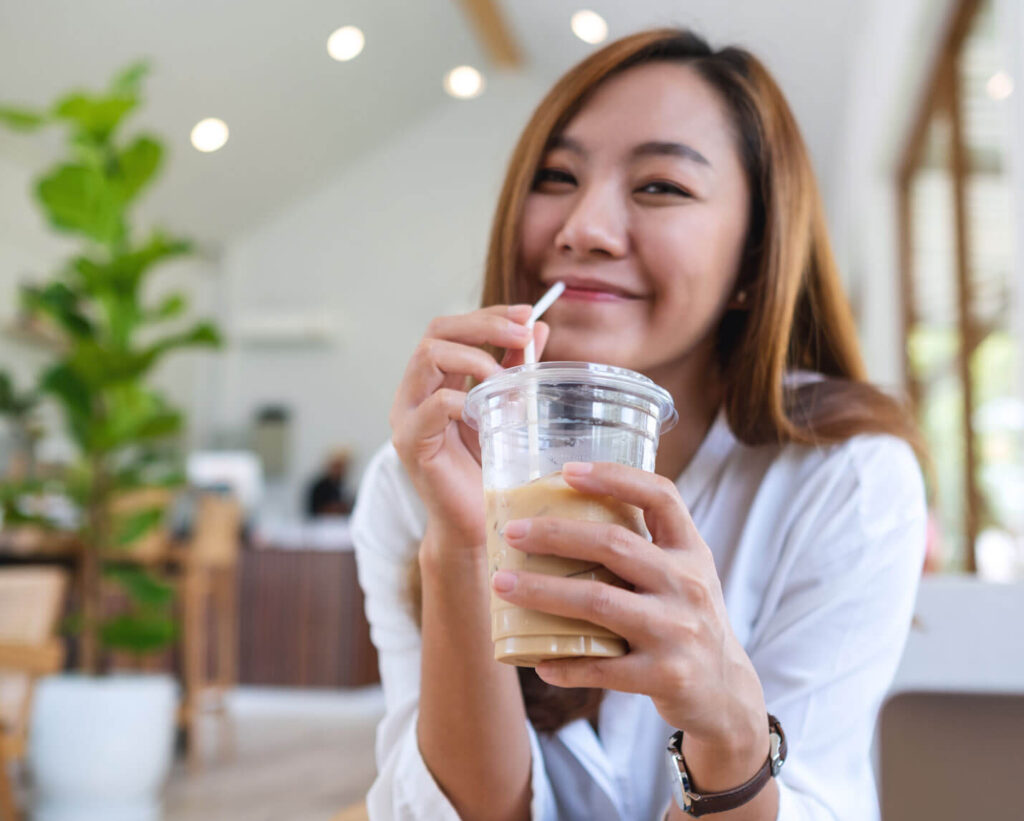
column 514, row 356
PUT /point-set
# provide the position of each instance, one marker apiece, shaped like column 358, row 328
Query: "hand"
column 439, row 451
column 683, row 653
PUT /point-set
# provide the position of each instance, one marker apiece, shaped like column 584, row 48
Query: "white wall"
column 376, row 253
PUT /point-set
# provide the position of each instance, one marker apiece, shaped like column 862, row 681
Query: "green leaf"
column 127, row 82
column 67, row 386
column 131, row 527
column 138, row 165
column 60, row 303
column 127, row 269
column 169, row 307
column 21, row 119
column 136, row 415
column 97, row 365
column 79, row 198
column 140, row 585
column 204, row 334
column 92, row 275
column 96, row 115
column 139, row 633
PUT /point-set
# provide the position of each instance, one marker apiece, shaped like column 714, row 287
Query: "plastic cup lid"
column 572, row 373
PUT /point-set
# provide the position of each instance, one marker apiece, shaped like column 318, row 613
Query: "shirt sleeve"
column 836, row 619
column 387, row 527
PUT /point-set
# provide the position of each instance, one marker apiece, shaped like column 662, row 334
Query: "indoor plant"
column 112, row 337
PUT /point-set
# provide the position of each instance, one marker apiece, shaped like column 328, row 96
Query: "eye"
column 662, row 187
column 553, row 176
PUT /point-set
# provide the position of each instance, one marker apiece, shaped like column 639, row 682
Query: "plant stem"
column 98, row 534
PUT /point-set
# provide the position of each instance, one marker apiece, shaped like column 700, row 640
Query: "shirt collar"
column 708, row 461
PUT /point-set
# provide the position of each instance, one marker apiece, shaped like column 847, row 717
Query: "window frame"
column 942, row 96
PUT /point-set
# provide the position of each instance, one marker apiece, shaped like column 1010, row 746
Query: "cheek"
column 539, row 227
column 697, row 258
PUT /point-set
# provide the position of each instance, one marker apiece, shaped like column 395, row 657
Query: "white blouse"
column 819, row 551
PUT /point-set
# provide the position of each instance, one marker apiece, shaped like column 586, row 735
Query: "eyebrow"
column 648, row 149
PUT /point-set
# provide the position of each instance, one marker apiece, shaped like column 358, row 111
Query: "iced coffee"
column 532, row 420
column 525, row 637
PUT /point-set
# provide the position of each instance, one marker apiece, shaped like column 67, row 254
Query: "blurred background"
column 223, row 228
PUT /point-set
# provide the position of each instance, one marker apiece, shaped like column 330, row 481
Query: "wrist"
column 729, row 759
column 722, row 766
column 447, row 550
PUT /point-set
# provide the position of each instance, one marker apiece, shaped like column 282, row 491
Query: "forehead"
column 656, row 101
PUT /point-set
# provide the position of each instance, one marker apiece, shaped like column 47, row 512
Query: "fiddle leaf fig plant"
column 112, row 338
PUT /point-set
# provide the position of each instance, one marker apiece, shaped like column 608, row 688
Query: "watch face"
column 678, row 778
column 776, row 759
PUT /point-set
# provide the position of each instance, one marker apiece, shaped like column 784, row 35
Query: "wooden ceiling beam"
column 486, row 20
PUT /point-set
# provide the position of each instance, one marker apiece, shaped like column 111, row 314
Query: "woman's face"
column 640, row 205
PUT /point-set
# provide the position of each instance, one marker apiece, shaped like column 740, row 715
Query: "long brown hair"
column 796, row 315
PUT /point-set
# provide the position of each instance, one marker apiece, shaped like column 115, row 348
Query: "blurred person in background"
column 327, row 494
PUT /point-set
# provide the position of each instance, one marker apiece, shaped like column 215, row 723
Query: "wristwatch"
column 697, row 804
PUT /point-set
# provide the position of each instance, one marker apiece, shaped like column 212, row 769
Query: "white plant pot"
column 100, row 749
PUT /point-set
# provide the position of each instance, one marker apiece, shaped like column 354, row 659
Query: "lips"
column 594, row 288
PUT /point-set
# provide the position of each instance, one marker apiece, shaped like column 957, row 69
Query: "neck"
column 697, row 399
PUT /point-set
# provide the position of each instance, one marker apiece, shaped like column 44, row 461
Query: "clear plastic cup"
column 531, row 420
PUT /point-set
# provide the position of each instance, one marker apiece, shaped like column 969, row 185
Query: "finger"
column 422, row 427
column 500, row 325
column 629, row 556
column 436, row 359
column 624, row 673
column 515, row 356
column 667, row 518
column 625, row 613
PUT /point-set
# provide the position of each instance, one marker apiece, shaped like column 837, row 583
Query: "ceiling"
column 297, row 117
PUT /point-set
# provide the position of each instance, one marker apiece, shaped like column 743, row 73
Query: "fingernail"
column 503, row 581
column 516, row 529
column 577, row 468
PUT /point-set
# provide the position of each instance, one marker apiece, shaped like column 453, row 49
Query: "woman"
column 668, row 186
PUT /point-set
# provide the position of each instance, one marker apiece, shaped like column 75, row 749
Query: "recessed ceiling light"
column 589, row 26
column 209, row 134
column 999, row 85
column 345, row 43
column 464, row 82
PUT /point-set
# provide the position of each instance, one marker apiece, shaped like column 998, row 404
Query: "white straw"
column 530, row 358
column 545, row 302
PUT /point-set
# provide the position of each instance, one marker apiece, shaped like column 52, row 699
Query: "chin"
column 572, row 347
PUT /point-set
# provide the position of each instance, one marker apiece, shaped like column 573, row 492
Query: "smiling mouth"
column 592, row 291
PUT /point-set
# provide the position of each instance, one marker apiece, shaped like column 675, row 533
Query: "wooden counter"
column 302, row 622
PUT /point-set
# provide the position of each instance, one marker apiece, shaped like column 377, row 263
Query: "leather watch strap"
column 703, row 804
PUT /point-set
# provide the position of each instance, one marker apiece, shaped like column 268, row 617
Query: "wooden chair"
column 209, row 599
column 204, row 568
column 31, row 603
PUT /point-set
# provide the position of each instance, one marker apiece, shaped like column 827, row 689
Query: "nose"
column 596, row 225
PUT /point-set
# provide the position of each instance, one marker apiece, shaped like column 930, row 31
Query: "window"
column 963, row 367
